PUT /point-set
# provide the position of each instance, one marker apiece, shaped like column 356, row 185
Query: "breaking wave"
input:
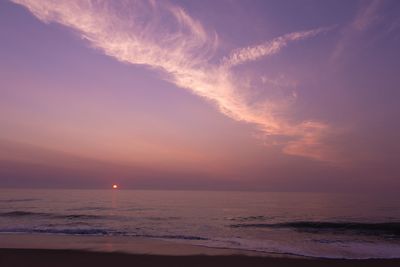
column 49, row 215
column 385, row 228
column 95, row 231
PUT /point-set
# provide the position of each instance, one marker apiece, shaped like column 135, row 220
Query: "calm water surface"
column 311, row 224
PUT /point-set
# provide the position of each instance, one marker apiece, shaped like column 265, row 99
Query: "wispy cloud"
column 366, row 16
column 251, row 53
column 166, row 38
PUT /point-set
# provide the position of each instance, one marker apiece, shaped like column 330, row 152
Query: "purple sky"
column 243, row 95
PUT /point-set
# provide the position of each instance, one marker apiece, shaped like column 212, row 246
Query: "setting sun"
column 115, row 186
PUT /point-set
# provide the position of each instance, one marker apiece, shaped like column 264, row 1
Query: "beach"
column 77, row 258
column 59, row 250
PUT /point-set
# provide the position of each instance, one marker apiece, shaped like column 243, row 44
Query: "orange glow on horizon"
column 115, row 186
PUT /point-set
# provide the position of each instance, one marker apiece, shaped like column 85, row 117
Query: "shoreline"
column 119, row 244
column 136, row 246
column 18, row 249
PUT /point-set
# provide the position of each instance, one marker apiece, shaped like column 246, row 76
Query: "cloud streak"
column 165, row 37
column 251, row 53
column 366, row 16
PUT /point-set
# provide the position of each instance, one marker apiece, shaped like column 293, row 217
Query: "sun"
column 115, row 186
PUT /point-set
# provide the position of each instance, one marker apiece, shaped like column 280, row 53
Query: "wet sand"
column 123, row 244
column 76, row 251
column 68, row 258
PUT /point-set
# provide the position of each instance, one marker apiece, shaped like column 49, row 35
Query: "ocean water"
column 308, row 224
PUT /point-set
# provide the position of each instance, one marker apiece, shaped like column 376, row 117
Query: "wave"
column 76, row 216
column 58, row 231
column 250, row 218
column 79, row 216
column 162, row 218
column 356, row 250
column 95, row 231
column 19, row 213
column 181, row 237
column 18, row 200
column 387, row 228
column 89, row 208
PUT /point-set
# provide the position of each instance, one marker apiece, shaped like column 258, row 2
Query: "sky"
column 201, row 95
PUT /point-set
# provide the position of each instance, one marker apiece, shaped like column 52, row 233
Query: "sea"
column 353, row 226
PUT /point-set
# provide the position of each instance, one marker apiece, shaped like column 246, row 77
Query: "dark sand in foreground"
column 76, row 251
column 75, row 258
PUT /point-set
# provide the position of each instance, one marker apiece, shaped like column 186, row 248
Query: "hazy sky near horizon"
column 251, row 95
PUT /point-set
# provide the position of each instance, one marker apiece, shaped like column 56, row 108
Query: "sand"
column 71, row 258
column 76, row 251
column 125, row 244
